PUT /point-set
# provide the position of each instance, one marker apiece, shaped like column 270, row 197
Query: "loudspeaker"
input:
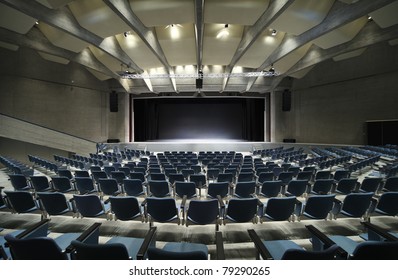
column 113, row 102
column 199, row 83
column 113, row 141
column 289, row 140
column 286, row 100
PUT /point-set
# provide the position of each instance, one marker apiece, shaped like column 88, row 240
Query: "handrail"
column 58, row 131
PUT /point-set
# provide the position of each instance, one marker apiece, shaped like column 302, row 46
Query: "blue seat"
column 161, row 209
column 40, row 184
column 297, row 188
column 90, row 205
column 126, row 208
column 159, row 188
column 245, row 189
column 391, row 184
column 218, row 189
column 187, row 189
column 203, row 212
column 85, row 185
column 22, row 202
column 55, row 203
column 355, row 205
column 200, row 181
column 316, row 207
column 108, row 186
column 370, row 185
column 271, row 188
column 19, row 182
column 62, row 184
column 133, row 187
column 386, row 204
column 280, row 208
column 346, row 185
column 242, row 210
column 322, row 186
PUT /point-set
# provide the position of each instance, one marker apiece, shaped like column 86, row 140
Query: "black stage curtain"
column 199, row 118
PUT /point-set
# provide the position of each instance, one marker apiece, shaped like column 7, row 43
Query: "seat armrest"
column 261, row 249
column 148, row 241
column 220, row 254
column 319, row 240
column 3, row 253
column 89, row 236
column 380, row 231
column 37, row 230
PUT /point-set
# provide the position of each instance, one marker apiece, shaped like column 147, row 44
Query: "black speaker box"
column 286, row 100
column 199, row 83
column 113, row 102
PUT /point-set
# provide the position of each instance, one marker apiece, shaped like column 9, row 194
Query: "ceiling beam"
column 199, row 29
column 148, row 35
column 35, row 40
column 250, row 35
column 339, row 15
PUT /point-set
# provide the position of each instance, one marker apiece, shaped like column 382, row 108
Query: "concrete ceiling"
column 227, row 37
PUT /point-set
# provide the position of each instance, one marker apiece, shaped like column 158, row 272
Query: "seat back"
column 198, row 179
column 160, row 254
column 346, row 185
column 88, row 205
column 54, row 203
column 218, row 188
column 323, row 174
column 391, row 184
column 65, row 173
column 319, row 206
column 99, row 175
column 174, row 177
column 108, row 186
column 356, row 204
column 245, row 176
column 133, row 187
column 241, row 210
column 388, row 204
column 113, row 251
column 185, row 188
column 370, row 185
column 62, row 184
column 19, row 182
column 322, row 186
column 21, row 201
column 84, row 185
column 35, row 248
column 158, row 188
column 297, row 187
column 280, row 208
column 225, row 177
column 285, row 177
column 296, row 254
column 245, row 189
column 203, row 212
column 271, row 188
column 40, row 183
column 125, row 207
column 375, row 250
column 161, row 209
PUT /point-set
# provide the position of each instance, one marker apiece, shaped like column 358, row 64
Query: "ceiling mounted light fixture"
column 127, row 33
column 223, row 32
column 272, row 69
column 273, row 33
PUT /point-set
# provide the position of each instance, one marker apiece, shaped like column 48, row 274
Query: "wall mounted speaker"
column 199, row 83
column 113, row 102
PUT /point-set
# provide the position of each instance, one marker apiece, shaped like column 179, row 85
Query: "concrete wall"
column 333, row 101
column 66, row 98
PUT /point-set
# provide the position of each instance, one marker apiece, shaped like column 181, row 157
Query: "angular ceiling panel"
column 139, row 52
column 53, row 58
column 219, row 51
column 265, row 44
column 161, row 13
column 341, row 35
column 302, row 15
column 14, row 20
column 178, row 43
column 8, row 46
column 97, row 17
column 62, row 39
column 300, row 74
column 54, row 4
column 107, row 60
column 234, row 11
column 386, row 16
column 348, row 55
column 100, row 76
column 292, row 58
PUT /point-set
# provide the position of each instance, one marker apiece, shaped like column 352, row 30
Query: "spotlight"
column 127, row 33
column 272, row 69
column 369, row 18
column 226, row 25
column 273, row 33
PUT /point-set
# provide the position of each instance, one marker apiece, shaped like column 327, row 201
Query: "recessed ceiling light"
column 273, row 33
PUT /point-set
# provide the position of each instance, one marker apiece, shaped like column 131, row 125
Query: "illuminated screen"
column 199, row 118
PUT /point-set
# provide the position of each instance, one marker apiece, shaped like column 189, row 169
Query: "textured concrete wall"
column 66, row 98
column 332, row 103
